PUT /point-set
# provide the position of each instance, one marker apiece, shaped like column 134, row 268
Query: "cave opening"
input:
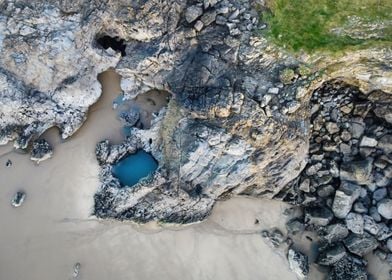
column 115, row 43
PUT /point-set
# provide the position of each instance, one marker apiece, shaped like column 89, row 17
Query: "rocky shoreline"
column 245, row 118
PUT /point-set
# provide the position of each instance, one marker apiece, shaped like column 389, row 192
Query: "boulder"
column 360, row 245
column 348, row 268
column 356, row 171
column 384, row 208
column 332, row 255
column 298, row 263
column 335, row 233
column 18, row 199
column 385, row 143
column 192, row 13
column 355, row 223
column 318, row 216
column 344, row 199
column 41, row 151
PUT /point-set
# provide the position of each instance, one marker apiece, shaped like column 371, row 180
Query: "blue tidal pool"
column 132, row 168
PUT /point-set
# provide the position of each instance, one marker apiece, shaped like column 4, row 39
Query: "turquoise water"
column 132, row 168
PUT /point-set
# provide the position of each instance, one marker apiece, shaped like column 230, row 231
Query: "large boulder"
column 344, row 199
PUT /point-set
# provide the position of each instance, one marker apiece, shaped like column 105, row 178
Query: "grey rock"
column 319, row 216
column 360, row 208
column 380, row 254
column 275, row 237
column 384, row 233
column 325, row 191
column 368, row 142
column 102, row 151
column 41, row 150
column 335, row 233
column 332, row 127
column 370, row 225
column 360, row 245
column 384, row 208
column 295, row 226
column 298, row 263
column 389, row 244
column 305, row 185
column 8, row 163
column 379, row 194
column 76, row 270
column 355, row 223
column 332, row 255
column 348, row 268
column 385, row 143
column 18, row 199
column 356, row 171
column 192, row 13
column 374, row 213
column 344, row 199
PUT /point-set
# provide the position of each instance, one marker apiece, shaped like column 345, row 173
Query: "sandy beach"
column 53, row 229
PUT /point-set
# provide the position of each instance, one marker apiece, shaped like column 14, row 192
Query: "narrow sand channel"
column 53, row 230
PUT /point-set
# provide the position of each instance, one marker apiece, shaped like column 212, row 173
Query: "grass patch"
column 328, row 24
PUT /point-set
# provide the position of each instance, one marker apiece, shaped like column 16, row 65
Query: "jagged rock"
column 358, row 172
column 355, row 223
column 18, row 199
column 102, row 151
column 368, row 142
column 344, row 199
column 370, row 225
column 41, row 151
column 360, row 245
column 348, row 268
column 319, row 216
column 76, row 270
column 298, row 263
column 389, row 244
column 384, row 233
column 295, row 226
column 335, row 233
column 8, row 163
column 384, row 208
column 192, row 13
column 385, row 143
column 275, row 237
column 332, row 255
column 130, row 118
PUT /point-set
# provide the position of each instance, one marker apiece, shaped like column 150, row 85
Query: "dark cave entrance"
column 114, row 43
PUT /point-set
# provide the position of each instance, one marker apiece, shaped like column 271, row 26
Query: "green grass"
column 307, row 24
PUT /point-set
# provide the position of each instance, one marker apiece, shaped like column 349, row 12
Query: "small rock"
column 332, row 255
column 192, row 13
column 319, row 216
column 380, row 254
column 332, row 127
column 335, row 233
column 199, row 25
column 295, row 226
column 385, row 143
column 41, row 150
column 8, row 163
column 355, row 223
column 348, row 268
column 305, row 185
column 374, row 214
column 379, row 194
column 18, row 199
column 360, row 208
column 298, row 263
column 325, row 191
column 344, row 199
column 384, row 208
column 360, row 245
column 102, row 151
column 370, row 225
column 384, row 233
column 76, row 270
column 368, row 142
column 389, row 244
column 356, row 171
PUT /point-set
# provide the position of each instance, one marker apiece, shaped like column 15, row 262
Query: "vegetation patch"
column 334, row 25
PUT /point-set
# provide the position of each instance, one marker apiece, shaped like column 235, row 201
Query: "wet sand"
column 53, row 229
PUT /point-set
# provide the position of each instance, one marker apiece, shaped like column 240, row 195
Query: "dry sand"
column 53, row 229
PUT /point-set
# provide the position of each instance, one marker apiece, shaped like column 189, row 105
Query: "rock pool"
column 132, row 168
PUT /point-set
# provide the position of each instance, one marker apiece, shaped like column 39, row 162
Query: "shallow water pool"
column 132, row 168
